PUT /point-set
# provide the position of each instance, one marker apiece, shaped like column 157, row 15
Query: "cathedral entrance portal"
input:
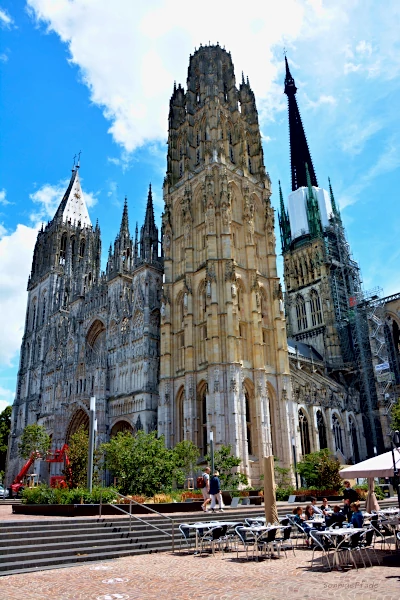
column 79, row 419
column 121, row 426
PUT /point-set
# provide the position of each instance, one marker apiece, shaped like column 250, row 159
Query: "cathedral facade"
column 191, row 339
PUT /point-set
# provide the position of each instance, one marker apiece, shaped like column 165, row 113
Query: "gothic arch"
column 321, row 427
column 95, row 334
column 251, row 418
column 237, row 203
column 315, row 308
column 201, row 302
column 337, row 429
column 304, row 428
column 301, row 314
column 79, row 418
column 121, row 425
column 354, row 438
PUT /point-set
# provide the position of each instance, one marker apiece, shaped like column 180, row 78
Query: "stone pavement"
column 183, row 577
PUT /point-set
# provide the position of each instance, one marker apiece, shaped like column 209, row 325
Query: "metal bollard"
column 130, row 515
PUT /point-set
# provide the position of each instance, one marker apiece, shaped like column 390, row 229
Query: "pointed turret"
column 149, row 232
column 313, row 212
column 299, row 151
column 124, row 229
column 284, row 223
column 335, row 208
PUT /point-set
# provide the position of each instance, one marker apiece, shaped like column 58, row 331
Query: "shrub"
column 283, row 493
column 320, row 470
column 43, row 494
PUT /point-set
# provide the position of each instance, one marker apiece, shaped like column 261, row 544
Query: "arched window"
column 301, row 313
column 304, row 433
column 44, row 311
column 337, row 433
column 82, row 249
column 63, row 248
column 180, row 432
column 248, row 424
column 315, row 306
column 354, row 441
column 230, row 140
column 34, row 314
column 250, row 167
column 323, row 443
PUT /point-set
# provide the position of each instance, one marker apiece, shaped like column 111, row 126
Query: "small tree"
column 34, row 438
column 395, row 416
column 141, row 462
column 225, row 462
column 78, row 450
column 5, row 424
column 321, row 470
column 185, row 456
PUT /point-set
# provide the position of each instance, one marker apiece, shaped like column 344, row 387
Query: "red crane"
column 18, row 482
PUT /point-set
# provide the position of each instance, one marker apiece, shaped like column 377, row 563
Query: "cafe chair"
column 245, row 538
column 285, row 542
column 188, row 537
column 324, row 545
column 213, row 538
column 366, row 543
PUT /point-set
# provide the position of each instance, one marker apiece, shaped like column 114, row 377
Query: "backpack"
column 200, row 483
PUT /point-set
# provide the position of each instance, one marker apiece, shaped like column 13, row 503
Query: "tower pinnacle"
column 299, row 151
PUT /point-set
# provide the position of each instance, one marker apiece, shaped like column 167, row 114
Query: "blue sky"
column 97, row 77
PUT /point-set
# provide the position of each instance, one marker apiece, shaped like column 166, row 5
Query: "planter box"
column 89, row 510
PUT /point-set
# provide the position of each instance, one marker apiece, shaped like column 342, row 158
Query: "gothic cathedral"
column 191, row 340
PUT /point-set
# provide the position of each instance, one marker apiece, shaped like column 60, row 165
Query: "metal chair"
column 187, row 536
column 245, row 537
column 212, row 538
column 319, row 545
column 366, row 542
column 285, row 542
column 267, row 542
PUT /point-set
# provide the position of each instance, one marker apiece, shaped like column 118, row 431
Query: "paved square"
column 182, row 577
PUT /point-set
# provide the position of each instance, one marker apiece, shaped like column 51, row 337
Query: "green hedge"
column 43, row 494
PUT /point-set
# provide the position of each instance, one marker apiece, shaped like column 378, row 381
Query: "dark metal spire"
column 299, row 151
column 284, row 223
column 335, row 208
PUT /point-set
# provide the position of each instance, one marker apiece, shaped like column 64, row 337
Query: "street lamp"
column 396, row 444
column 212, row 451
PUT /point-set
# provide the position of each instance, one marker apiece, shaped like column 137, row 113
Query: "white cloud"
column 323, row 99
column 16, row 251
column 3, row 199
column 5, row 18
column 3, row 57
column 6, row 398
column 356, row 136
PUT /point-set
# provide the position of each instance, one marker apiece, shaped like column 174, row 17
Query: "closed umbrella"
column 271, row 512
column 372, row 502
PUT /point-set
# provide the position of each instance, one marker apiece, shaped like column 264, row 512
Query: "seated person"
column 325, row 508
column 317, row 510
column 336, row 518
column 357, row 518
column 298, row 516
column 309, row 512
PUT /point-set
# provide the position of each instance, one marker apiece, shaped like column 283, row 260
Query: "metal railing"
column 171, row 535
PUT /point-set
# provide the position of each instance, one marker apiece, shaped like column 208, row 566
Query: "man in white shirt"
column 206, row 489
column 317, row 510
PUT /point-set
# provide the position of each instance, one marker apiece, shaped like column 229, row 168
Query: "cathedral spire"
column 149, row 218
column 335, row 209
column 124, row 229
column 299, row 151
column 284, row 223
column 72, row 207
column 149, row 232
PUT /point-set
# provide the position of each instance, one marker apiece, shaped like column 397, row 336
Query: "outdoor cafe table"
column 335, row 535
column 207, row 526
column 260, row 530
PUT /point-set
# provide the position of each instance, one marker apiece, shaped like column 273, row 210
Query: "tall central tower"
column 224, row 364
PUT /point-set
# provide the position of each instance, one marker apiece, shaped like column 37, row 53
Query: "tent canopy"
column 378, row 466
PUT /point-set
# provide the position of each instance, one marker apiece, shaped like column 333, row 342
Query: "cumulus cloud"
column 16, row 250
column 3, row 199
column 5, row 19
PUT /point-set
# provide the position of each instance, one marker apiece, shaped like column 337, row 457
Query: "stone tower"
column 322, row 281
column 224, row 363
column 89, row 333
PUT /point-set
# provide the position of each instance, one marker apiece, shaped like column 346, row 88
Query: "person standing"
column 215, row 492
column 349, row 492
column 205, row 490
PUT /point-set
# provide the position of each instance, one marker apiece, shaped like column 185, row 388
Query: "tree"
column 141, row 463
column 78, row 450
column 185, row 455
column 321, row 470
column 5, row 425
column 395, row 416
column 34, row 438
column 224, row 463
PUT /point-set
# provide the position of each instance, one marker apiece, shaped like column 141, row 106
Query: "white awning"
column 378, row 466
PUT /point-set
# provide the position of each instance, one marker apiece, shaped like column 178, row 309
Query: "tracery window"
column 181, row 351
column 354, row 440
column 337, row 433
column 315, row 306
column 82, row 249
column 248, row 423
column 304, row 433
column 323, row 443
column 301, row 314
column 63, row 248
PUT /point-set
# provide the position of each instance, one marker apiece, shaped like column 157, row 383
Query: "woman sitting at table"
column 301, row 520
column 325, row 508
column 357, row 518
column 309, row 512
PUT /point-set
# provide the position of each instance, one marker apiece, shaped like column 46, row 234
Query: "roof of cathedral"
column 73, row 206
column 303, row 349
column 299, row 151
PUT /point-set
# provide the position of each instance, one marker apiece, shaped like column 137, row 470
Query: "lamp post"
column 212, row 451
column 295, row 462
column 396, row 445
column 92, row 418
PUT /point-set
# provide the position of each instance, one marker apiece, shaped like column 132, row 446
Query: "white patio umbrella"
column 378, row 466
